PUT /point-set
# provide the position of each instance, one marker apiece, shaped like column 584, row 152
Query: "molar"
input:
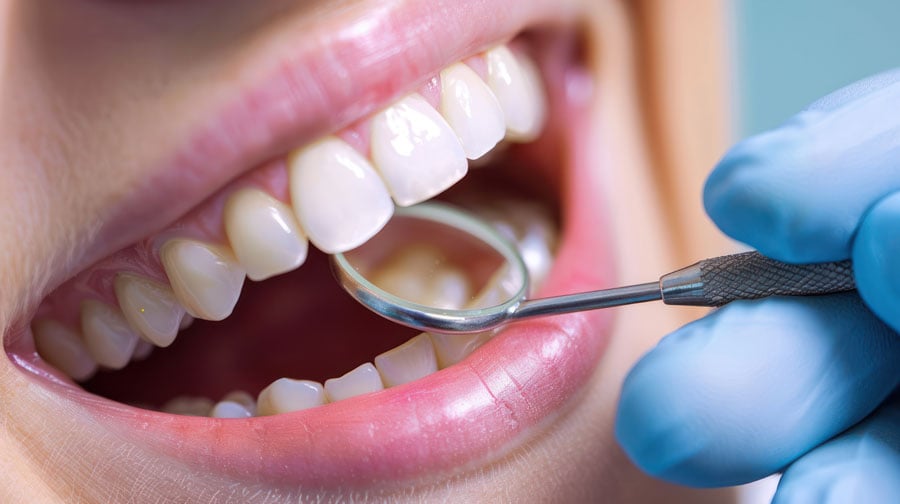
column 471, row 109
column 150, row 307
column 107, row 335
column 338, row 197
column 416, row 152
column 192, row 406
column 264, row 234
column 519, row 90
column 285, row 395
column 205, row 278
column 362, row 380
column 62, row 348
column 410, row 361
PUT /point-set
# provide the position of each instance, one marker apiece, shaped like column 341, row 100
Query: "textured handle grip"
column 751, row 275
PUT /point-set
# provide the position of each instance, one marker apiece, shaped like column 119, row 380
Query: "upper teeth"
column 339, row 198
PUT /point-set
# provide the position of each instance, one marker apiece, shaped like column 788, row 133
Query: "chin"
column 175, row 332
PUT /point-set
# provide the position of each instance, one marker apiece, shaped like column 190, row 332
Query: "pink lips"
column 489, row 404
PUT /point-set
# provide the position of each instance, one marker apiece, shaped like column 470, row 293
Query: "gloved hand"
column 774, row 385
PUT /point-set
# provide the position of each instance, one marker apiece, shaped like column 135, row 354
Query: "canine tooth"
column 107, row 335
column 338, row 197
column 407, row 362
column 471, row 109
column 264, row 234
column 285, row 395
column 243, row 398
column 362, row 380
column 229, row 409
column 205, row 278
column 184, row 405
column 150, row 307
column 453, row 348
column 416, row 152
column 519, row 90
column 62, row 348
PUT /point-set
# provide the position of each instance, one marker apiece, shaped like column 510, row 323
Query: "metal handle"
column 750, row 275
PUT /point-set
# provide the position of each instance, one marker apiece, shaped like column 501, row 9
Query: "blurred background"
column 791, row 52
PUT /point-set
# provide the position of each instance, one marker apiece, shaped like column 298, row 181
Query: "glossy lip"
column 475, row 411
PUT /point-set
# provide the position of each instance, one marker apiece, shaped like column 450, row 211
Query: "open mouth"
column 222, row 338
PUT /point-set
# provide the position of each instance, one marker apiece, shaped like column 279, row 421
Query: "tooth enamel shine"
column 362, row 380
column 107, row 335
column 416, row 152
column 285, row 395
column 264, row 234
column 205, row 278
column 338, row 197
column 150, row 308
column 471, row 109
column 517, row 86
column 410, row 361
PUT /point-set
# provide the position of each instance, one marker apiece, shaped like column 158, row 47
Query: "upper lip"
column 453, row 418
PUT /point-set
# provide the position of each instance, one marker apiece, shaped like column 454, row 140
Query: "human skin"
column 99, row 98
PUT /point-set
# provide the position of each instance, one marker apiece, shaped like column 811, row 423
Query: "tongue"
column 298, row 325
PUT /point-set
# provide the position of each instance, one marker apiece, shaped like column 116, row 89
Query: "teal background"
column 788, row 53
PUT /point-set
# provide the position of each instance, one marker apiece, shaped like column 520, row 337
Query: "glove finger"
column 743, row 392
column 797, row 193
column 861, row 465
column 876, row 259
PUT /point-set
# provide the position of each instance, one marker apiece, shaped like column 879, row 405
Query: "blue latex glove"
column 774, row 385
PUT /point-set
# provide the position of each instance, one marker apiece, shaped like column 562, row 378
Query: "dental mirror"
column 438, row 269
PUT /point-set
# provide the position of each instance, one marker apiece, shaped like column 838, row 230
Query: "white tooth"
column 186, row 321
column 62, row 348
column 229, row 409
column 407, row 362
column 519, row 90
column 339, row 199
column 285, row 395
column 206, row 279
column 150, row 307
column 243, row 398
column 416, row 152
column 193, row 406
column 264, row 234
column 420, row 273
column 142, row 350
column 362, row 380
column 453, row 348
column 107, row 335
column 471, row 109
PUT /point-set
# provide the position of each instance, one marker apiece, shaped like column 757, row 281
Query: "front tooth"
column 407, row 362
column 339, row 199
column 519, row 90
column 471, row 109
column 229, row 409
column 416, row 152
column 149, row 307
column 205, row 278
column 107, row 335
column 264, row 234
column 362, row 380
column 62, row 348
column 285, row 395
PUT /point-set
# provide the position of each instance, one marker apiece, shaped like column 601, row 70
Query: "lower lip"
column 492, row 403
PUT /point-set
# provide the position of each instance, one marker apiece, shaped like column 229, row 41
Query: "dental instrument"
column 711, row 282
